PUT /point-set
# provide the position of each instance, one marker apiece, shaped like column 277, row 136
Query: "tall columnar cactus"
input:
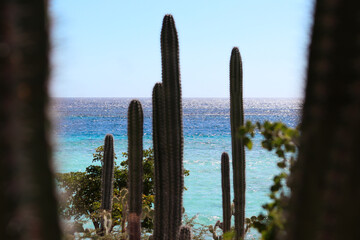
column 325, row 179
column 27, row 196
column 225, row 184
column 161, row 165
column 238, row 151
column 185, row 233
column 173, row 121
column 107, row 181
column 135, row 158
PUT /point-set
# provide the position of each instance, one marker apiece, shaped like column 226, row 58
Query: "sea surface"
column 82, row 123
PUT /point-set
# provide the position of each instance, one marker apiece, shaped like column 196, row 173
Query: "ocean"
column 80, row 125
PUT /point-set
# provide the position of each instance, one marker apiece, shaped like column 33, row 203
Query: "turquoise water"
column 81, row 125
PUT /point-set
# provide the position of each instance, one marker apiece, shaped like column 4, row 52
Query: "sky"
column 111, row 48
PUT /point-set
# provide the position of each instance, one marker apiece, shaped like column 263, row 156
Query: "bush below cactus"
column 81, row 194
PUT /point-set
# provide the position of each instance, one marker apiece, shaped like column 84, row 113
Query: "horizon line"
column 190, row 97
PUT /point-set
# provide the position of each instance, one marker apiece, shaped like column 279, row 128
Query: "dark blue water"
column 82, row 123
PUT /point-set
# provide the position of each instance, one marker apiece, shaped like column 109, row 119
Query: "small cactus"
column 185, row 233
column 135, row 158
column 225, row 184
column 238, row 151
column 107, row 177
column 107, row 181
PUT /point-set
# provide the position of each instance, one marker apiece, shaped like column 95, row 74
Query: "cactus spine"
column 173, row 121
column 27, row 196
column 225, row 184
column 135, row 158
column 162, row 186
column 185, row 233
column 107, row 183
column 238, row 152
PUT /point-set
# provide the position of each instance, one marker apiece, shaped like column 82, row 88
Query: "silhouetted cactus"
column 238, row 151
column 29, row 209
column 107, row 180
column 225, row 184
column 161, row 165
column 173, row 121
column 185, row 233
column 325, row 180
column 135, row 158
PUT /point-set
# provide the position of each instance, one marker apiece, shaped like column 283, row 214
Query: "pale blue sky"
column 111, row 48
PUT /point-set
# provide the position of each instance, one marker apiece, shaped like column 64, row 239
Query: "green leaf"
column 248, row 143
column 281, row 164
column 280, row 153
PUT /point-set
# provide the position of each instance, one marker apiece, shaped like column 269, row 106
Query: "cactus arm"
column 225, row 184
column 160, row 164
column 107, row 184
column 135, row 158
column 107, row 177
column 238, row 151
column 173, row 121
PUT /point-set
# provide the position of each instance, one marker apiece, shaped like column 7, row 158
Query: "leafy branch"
column 284, row 141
